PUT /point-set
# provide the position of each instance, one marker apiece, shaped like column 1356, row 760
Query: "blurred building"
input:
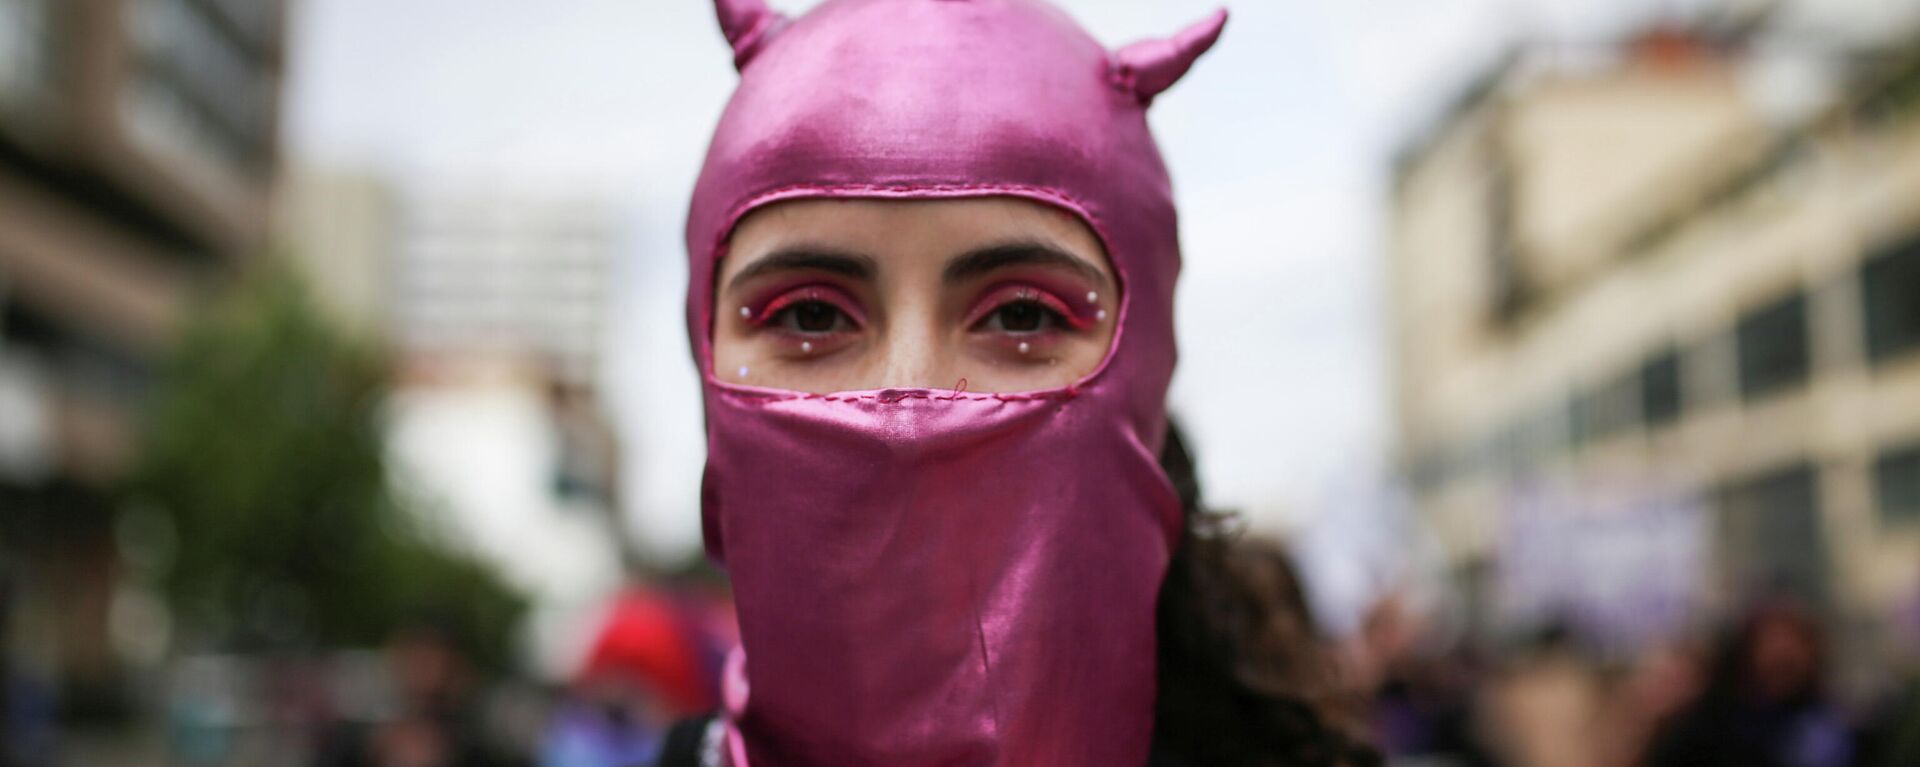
column 506, row 273
column 492, row 298
column 496, row 285
column 1671, row 289
column 471, row 286
column 339, row 228
column 138, row 141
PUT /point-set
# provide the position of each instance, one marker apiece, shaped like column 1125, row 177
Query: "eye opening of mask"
column 1067, row 306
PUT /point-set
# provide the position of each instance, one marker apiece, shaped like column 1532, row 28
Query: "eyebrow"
column 968, row 265
column 811, row 257
column 979, row 261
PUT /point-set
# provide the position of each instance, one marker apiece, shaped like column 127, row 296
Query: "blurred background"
column 1571, row 348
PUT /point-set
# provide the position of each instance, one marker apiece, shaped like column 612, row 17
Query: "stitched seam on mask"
column 1065, row 393
column 739, row 210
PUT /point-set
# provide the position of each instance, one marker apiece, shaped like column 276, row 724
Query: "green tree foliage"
column 263, row 452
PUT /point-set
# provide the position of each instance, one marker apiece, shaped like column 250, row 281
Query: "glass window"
column 1890, row 289
column 1607, row 410
column 1660, row 396
column 1771, row 535
column 1544, row 435
column 1896, row 479
column 1580, row 419
column 1894, row 97
column 23, row 50
column 1772, row 344
column 197, row 91
column 256, row 23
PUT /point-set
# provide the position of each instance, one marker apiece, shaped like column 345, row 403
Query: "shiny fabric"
column 927, row 576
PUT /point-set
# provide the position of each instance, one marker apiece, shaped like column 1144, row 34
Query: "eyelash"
column 1000, row 299
column 777, row 313
column 784, row 304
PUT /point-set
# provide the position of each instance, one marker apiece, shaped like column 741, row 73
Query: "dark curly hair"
column 1244, row 680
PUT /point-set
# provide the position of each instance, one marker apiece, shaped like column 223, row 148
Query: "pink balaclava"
column 938, row 576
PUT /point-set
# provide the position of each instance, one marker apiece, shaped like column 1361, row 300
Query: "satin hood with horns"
column 929, row 577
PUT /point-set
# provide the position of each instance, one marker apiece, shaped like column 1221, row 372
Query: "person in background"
column 437, row 720
column 1415, row 698
column 1764, row 703
column 648, row 667
column 606, row 720
column 1891, row 737
column 1658, row 683
column 7, row 715
column 1543, row 706
column 28, row 729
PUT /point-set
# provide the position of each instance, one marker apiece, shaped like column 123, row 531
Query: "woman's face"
column 837, row 295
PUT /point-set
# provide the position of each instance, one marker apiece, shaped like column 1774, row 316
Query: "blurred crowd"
column 425, row 698
column 1758, row 692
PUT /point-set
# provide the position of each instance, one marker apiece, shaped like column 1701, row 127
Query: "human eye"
column 806, row 320
column 1022, row 310
column 811, row 317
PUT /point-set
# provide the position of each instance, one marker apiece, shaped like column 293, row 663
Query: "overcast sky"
column 1277, row 142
